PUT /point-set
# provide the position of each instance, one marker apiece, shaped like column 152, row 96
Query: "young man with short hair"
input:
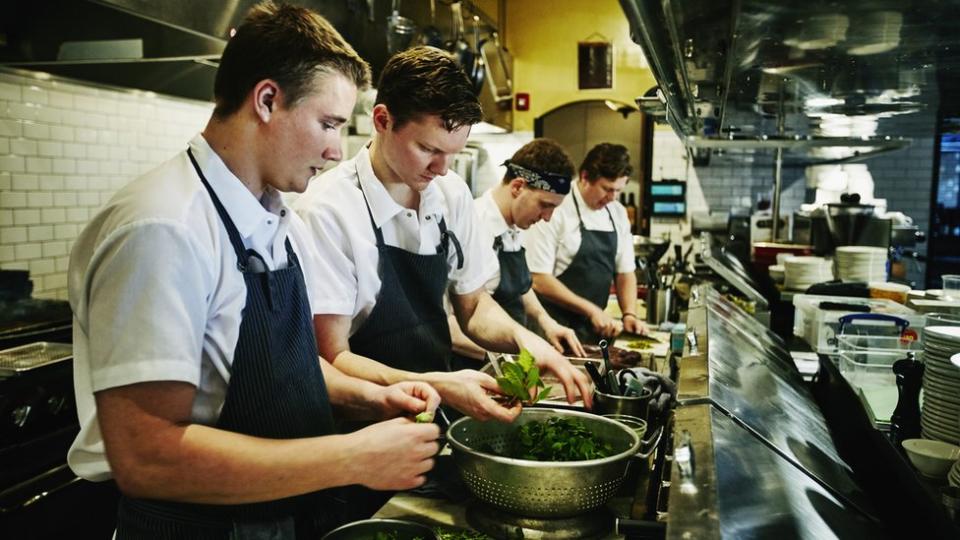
column 537, row 179
column 398, row 230
column 587, row 246
column 199, row 387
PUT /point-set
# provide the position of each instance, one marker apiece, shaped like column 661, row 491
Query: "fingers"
column 585, row 388
column 574, row 344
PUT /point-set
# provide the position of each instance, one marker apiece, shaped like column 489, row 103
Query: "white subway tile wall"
column 65, row 148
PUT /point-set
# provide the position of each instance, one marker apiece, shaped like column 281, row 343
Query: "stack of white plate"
column 802, row 272
column 940, row 410
column 861, row 263
column 776, row 272
column 954, row 476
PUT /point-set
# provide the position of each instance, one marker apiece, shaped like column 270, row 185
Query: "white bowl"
column 931, row 458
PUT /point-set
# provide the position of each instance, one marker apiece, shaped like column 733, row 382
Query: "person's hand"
column 562, row 338
column 604, row 324
column 634, row 325
column 407, row 398
column 549, row 360
column 472, row 393
column 398, row 452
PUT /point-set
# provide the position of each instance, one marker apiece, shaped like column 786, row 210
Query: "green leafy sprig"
column 520, row 378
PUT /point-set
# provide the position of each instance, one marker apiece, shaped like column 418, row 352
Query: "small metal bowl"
column 367, row 530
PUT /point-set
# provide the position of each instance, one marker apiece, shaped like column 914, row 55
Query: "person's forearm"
column 361, row 367
column 534, row 309
column 208, row 465
column 626, row 284
column 461, row 343
column 490, row 326
column 554, row 290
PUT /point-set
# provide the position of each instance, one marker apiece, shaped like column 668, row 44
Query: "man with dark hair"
column 199, row 387
column 397, row 229
column 588, row 245
column 538, row 177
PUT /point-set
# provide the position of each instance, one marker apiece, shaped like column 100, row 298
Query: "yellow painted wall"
column 542, row 35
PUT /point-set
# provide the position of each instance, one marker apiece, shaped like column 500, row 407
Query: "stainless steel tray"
column 33, row 355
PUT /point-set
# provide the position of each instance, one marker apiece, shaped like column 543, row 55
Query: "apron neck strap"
column 232, row 231
column 580, row 217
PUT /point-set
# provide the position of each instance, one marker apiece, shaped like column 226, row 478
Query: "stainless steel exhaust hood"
column 821, row 80
column 171, row 47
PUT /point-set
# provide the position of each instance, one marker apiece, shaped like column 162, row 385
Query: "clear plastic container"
column 951, row 286
column 858, row 343
column 870, row 368
column 820, row 327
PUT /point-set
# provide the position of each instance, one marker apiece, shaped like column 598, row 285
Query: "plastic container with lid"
column 820, row 326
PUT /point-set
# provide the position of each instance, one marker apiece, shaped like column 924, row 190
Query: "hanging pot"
column 458, row 46
column 431, row 35
column 400, row 30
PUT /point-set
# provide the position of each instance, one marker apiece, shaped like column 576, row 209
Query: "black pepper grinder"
column 905, row 422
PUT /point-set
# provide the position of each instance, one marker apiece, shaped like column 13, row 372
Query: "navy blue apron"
column 407, row 327
column 276, row 391
column 589, row 275
column 515, row 281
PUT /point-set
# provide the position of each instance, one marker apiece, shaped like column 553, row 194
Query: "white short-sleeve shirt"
column 552, row 245
column 155, row 290
column 334, row 211
column 493, row 225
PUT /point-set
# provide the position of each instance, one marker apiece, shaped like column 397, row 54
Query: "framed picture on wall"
column 594, row 65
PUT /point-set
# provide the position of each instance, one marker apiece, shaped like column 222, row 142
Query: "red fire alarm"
column 522, row 101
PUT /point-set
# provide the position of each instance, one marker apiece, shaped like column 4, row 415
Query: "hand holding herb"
column 521, row 379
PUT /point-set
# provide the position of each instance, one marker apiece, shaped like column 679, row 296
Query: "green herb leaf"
column 424, row 418
column 521, row 378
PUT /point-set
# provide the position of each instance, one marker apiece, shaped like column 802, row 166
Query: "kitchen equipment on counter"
column 605, row 403
column 891, row 291
column 394, row 529
column 540, row 489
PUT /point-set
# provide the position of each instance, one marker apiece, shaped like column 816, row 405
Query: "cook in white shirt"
column 198, row 384
column 396, row 227
column 587, row 245
column 538, row 177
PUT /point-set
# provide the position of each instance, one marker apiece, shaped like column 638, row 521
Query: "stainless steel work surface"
column 762, row 495
column 765, row 394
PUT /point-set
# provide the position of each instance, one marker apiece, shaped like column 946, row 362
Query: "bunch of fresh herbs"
column 520, row 378
column 558, row 439
column 446, row 534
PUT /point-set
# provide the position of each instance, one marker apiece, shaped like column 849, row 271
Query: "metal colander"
column 535, row 488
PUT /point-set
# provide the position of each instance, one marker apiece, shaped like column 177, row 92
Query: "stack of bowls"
column 802, row 272
column 861, row 263
column 940, row 410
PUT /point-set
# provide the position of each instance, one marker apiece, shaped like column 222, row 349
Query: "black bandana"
column 547, row 181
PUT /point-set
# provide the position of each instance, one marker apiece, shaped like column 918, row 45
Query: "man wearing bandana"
column 587, row 246
column 538, row 177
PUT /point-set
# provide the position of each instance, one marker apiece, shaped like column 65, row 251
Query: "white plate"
column 949, row 334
